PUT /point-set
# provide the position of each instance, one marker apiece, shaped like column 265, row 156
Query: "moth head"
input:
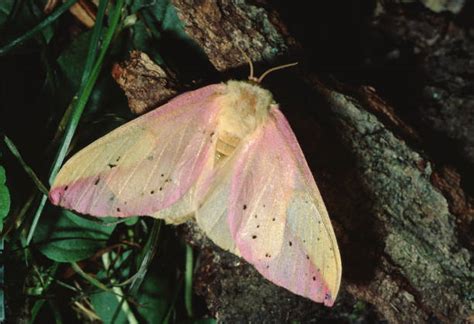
column 245, row 107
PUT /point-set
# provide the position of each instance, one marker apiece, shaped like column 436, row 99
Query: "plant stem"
column 188, row 281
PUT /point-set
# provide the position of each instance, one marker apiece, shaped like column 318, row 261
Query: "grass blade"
column 188, row 281
column 79, row 105
column 32, row 32
column 88, row 278
column 150, row 250
column 25, row 166
column 87, row 90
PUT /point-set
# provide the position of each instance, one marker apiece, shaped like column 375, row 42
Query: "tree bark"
column 391, row 145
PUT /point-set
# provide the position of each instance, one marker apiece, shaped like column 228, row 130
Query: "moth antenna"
column 249, row 61
column 267, row 72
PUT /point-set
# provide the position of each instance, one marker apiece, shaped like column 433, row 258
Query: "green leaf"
column 152, row 301
column 110, row 305
column 67, row 237
column 106, row 305
column 205, row 321
column 130, row 221
column 4, row 197
column 141, row 4
column 171, row 21
column 73, row 59
column 159, row 9
column 154, row 297
column 141, row 37
column 156, row 294
column 165, row 14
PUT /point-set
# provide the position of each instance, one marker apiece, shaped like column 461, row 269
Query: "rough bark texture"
column 252, row 30
column 394, row 160
column 421, row 270
column 145, row 84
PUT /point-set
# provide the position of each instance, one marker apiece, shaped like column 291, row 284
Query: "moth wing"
column 275, row 217
column 213, row 193
column 145, row 165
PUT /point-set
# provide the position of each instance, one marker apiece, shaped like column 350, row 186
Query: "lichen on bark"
column 416, row 228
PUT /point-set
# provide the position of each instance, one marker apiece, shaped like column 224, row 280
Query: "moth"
column 225, row 155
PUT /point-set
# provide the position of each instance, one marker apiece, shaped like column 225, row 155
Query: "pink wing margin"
column 145, row 165
column 277, row 218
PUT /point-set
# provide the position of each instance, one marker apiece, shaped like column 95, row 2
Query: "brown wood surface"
column 383, row 106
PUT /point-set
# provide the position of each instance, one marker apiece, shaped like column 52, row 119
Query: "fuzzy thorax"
column 245, row 106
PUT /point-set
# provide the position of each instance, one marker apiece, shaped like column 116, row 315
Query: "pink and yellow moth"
column 225, row 155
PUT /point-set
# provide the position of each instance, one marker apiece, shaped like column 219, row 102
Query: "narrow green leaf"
column 188, row 281
column 79, row 103
column 149, row 252
column 36, row 309
column 4, row 197
column 26, row 167
column 32, row 32
column 88, row 278
column 85, row 92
